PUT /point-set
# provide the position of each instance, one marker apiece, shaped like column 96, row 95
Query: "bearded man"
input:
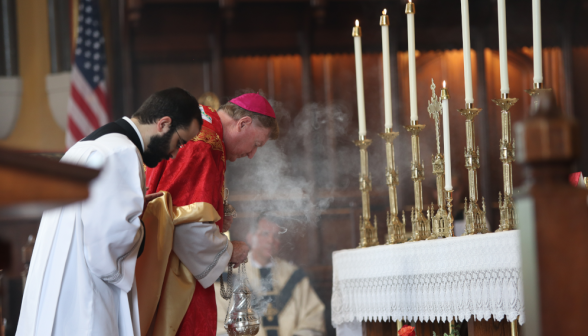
column 187, row 251
column 82, row 274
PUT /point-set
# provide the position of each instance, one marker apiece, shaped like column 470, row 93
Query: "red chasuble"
column 196, row 175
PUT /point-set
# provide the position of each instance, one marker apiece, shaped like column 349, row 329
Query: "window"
column 9, row 54
column 59, row 34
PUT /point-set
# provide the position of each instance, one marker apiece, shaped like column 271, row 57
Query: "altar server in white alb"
column 294, row 309
column 82, row 273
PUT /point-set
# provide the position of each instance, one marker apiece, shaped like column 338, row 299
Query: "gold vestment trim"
column 164, row 285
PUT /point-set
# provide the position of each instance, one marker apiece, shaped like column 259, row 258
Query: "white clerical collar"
column 127, row 119
column 257, row 265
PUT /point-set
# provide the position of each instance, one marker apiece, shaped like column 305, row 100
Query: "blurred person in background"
column 293, row 308
column 81, row 279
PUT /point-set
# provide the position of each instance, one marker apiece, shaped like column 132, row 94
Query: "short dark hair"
column 175, row 103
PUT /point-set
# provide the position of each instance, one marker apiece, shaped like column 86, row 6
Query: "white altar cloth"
column 457, row 277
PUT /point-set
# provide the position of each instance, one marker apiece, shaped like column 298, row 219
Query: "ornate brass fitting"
column 396, row 229
column 474, row 216
column 368, row 233
column 420, row 225
column 507, row 156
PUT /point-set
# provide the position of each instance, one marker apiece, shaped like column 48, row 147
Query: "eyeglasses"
column 181, row 142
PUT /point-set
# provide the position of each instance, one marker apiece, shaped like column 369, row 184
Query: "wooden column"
column 567, row 32
column 331, row 134
column 483, row 129
column 114, row 42
column 128, row 99
column 553, row 219
column 310, row 139
column 216, row 65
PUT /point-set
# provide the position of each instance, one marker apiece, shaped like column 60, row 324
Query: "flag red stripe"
column 79, row 100
column 74, row 130
column 102, row 99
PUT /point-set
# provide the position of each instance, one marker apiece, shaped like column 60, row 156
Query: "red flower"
column 407, row 331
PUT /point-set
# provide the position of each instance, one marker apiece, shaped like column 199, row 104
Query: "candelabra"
column 368, row 233
column 420, row 224
column 396, row 229
column 474, row 216
column 507, row 156
column 441, row 225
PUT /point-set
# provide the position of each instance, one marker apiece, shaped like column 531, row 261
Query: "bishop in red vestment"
column 185, row 251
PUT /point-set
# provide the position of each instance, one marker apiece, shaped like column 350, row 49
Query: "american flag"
column 87, row 109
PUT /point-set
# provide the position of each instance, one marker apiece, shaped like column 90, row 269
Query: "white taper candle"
column 446, row 135
column 385, row 22
column 537, row 48
column 359, row 79
column 467, row 58
column 410, row 10
column 502, row 48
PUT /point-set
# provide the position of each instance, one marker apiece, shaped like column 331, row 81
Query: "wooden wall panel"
column 490, row 328
column 427, row 328
column 152, row 77
column 288, row 82
column 580, row 82
column 245, row 73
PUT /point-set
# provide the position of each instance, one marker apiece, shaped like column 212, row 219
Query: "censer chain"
column 227, row 291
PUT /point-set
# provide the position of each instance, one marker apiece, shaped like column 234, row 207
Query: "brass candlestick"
column 420, row 224
column 368, row 233
column 507, row 156
column 474, row 216
column 537, row 87
column 396, row 229
column 440, row 226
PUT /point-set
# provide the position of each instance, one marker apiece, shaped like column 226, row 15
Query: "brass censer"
column 241, row 319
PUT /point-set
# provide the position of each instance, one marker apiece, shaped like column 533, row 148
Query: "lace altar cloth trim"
column 440, row 279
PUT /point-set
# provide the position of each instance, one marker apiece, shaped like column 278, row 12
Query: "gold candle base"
column 537, row 87
column 514, row 328
column 475, row 217
column 420, row 224
column 507, row 156
column 368, row 233
column 396, row 228
column 451, row 326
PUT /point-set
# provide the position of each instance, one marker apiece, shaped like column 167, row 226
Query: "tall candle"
column 502, row 49
column 467, row 59
column 446, row 142
column 537, row 49
column 410, row 10
column 385, row 22
column 359, row 79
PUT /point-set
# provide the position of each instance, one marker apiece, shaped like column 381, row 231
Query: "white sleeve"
column 203, row 249
column 110, row 218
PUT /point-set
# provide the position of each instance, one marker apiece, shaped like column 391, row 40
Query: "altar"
column 447, row 279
